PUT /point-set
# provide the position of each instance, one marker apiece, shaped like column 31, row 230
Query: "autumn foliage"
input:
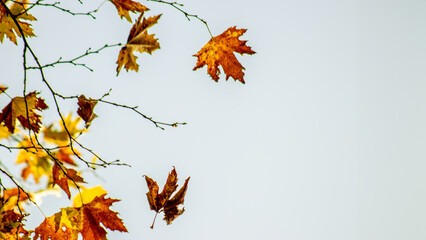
column 53, row 151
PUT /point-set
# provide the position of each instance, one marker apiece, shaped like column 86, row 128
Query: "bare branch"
column 187, row 15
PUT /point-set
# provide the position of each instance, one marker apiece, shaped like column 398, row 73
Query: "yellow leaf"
column 9, row 28
column 124, row 6
column 88, row 194
column 61, row 137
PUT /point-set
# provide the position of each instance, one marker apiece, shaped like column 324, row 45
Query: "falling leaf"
column 124, row 6
column 139, row 40
column 9, row 28
column 219, row 51
column 17, row 109
column 162, row 201
column 61, row 137
column 62, row 176
column 85, row 220
column 85, row 109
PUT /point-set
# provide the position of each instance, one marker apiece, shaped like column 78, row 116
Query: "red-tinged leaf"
column 23, row 109
column 97, row 212
column 220, row 51
column 85, row 109
column 62, row 176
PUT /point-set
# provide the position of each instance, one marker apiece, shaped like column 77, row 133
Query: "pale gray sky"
column 325, row 141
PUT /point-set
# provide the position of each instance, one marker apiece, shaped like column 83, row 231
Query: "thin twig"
column 187, row 15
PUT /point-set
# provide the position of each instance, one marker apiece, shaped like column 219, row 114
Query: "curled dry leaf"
column 220, row 51
column 8, row 26
column 124, row 6
column 139, row 40
column 17, row 109
column 85, row 109
column 162, row 202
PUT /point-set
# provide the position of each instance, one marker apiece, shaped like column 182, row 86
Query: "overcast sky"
column 325, row 141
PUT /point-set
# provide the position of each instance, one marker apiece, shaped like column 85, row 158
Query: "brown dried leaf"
column 139, row 40
column 85, row 109
column 220, row 51
column 163, row 202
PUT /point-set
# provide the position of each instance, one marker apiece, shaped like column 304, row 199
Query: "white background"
column 326, row 140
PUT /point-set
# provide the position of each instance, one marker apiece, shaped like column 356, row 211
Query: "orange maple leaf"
column 124, row 6
column 17, row 109
column 85, row 220
column 162, row 202
column 62, row 175
column 219, row 51
column 139, row 40
column 85, row 109
column 9, row 28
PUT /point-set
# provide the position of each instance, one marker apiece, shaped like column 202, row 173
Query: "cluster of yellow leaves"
column 163, row 201
column 39, row 163
column 84, row 219
column 8, row 26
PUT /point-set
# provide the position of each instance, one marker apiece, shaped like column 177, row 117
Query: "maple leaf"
column 85, row 220
column 9, row 28
column 139, row 40
column 85, row 109
column 62, row 175
column 61, row 137
column 54, row 227
column 124, row 6
column 162, row 201
column 17, row 109
column 219, row 51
